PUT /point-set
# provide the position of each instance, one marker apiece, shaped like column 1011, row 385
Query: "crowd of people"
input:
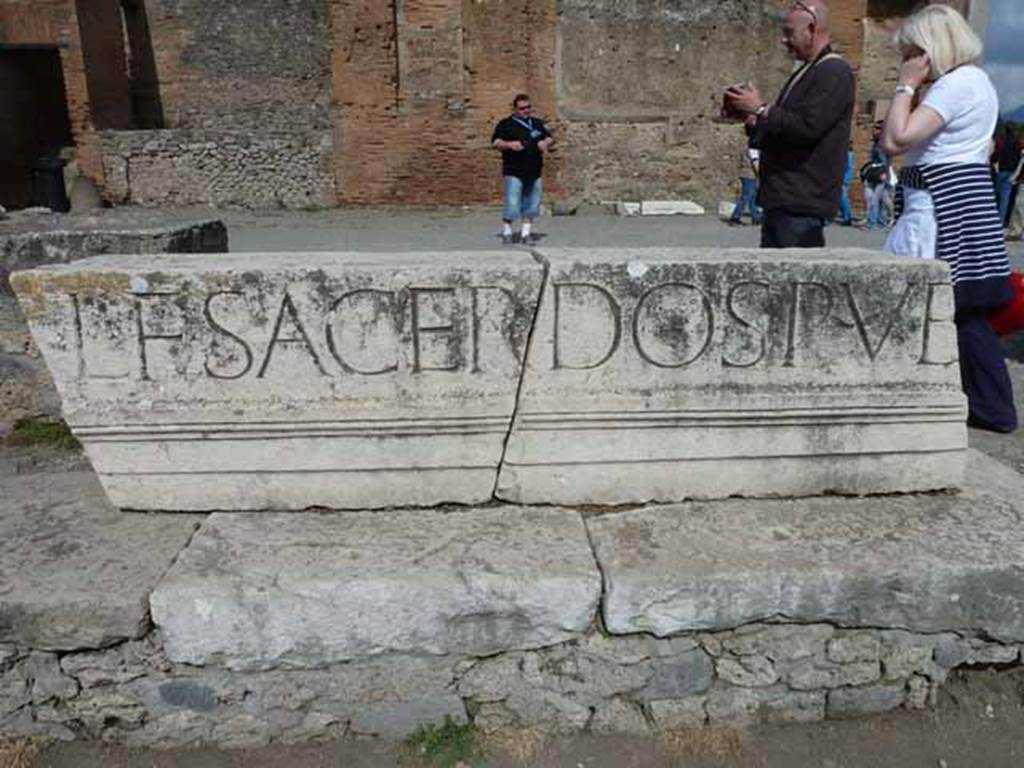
column 951, row 200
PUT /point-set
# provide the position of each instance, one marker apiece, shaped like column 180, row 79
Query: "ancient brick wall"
column 56, row 23
column 418, row 86
column 641, row 87
column 631, row 89
column 399, row 97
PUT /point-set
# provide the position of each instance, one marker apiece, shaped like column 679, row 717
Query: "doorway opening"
column 35, row 128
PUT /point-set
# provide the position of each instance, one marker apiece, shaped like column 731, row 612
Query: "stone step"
column 75, row 572
column 304, row 590
column 313, row 626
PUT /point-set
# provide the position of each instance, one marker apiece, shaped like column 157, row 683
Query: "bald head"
column 805, row 29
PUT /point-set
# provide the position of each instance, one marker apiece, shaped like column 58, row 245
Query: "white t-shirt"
column 969, row 107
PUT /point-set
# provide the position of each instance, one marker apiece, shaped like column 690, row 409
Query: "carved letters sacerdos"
column 436, row 330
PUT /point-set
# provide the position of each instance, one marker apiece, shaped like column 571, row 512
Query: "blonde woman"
column 946, row 202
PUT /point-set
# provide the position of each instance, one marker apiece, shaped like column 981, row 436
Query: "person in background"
column 1005, row 160
column 803, row 135
column 1015, row 226
column 523, row 141
column 747, row 199
column 874, row 175
column 845, row 212
column 947, row 208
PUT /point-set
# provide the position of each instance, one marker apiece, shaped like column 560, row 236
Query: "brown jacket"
column 804, row 139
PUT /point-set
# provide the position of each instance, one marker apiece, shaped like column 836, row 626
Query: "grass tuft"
column 42, row 431
column 17, row 753
column 446, row 745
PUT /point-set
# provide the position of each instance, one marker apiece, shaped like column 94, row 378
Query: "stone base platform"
column 329, row 625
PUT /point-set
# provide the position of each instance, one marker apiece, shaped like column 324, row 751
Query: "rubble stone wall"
column 133, row 694
column 290, row 169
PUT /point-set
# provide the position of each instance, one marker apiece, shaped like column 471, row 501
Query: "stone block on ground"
column 670, row 208
column 311, row 589
column 76, row 573
column 287, row 381
column 925, row 563
column 666, row 374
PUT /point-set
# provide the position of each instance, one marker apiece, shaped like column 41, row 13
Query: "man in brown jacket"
column 803, row 135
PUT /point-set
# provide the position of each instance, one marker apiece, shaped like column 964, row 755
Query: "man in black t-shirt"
column 523, row 140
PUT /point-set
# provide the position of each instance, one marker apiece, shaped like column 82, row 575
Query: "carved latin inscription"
column 238, row 333
column 677, row 324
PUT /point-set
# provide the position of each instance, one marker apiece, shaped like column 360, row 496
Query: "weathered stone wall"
column 133, row 694
column 254, row 65
column 640, row 92
column 264, row 169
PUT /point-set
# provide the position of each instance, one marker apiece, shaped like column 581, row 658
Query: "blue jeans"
column 845, row 213
column 873, row 196
column 1003, row 188
column 747, row 201
column 522, row 198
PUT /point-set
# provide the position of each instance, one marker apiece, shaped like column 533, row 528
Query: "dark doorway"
column 35, row 125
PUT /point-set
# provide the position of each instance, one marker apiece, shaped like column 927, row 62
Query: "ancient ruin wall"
column 245, row 97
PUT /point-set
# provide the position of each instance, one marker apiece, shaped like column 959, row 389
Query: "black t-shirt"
column 528, row 163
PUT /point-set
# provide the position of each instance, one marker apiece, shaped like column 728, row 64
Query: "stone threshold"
column 350, row 623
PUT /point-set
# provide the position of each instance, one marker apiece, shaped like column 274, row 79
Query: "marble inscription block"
column 664, row 374
column 285, row 381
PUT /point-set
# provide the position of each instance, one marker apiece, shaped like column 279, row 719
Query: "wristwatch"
column 761, row 109
column 905, row 88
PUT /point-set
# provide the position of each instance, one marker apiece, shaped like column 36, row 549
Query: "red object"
column 1011, row 317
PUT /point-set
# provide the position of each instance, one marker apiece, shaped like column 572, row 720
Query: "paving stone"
column 848, row 648
column 904, row 654
column 926, row 563
column 779, row 642
column 618, row 716
column 810, row 675
column 311, row 589
column 670, row 207
column 951, row 651
column 15, row 690
column 858, row 702
column 679, row 676
column 992, row 653
column 75, row 573
column 42, row 670
column 778, row 704
column 919, row 692
column 747, row 671
column 677, row 713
